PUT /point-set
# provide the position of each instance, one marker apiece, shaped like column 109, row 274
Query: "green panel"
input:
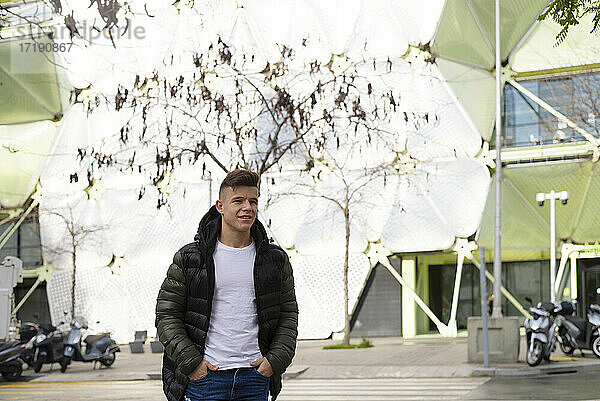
column 521, row 228
column 567, row 176
column 578, row 221
column 28, row 84
column 458, row 36
column 539, row 51
column 22, row 161
column 475, row 90
column 516, row 17
column 588, row 229
column 466, row 30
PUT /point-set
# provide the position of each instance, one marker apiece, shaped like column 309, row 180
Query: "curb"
column 536, row 371
column 294, row 371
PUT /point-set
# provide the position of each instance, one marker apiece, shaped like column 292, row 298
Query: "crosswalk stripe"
column 385, row 389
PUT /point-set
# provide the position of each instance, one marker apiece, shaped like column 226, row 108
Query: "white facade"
column 123, row 260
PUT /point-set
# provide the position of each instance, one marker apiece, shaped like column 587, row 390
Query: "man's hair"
column 239, row 178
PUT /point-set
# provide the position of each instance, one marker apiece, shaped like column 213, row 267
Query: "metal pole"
column 552, row 246
column 484, row 312
column 497, row 310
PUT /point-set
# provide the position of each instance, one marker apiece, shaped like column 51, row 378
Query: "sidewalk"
column 390, row 357
column 420, row 357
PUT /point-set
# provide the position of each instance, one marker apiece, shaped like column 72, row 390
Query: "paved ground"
column 395, row 369
column 294, row 390
column 127, row 366
column 560, row 387
column 150, row 390
column 391, row 357
column 379, row 389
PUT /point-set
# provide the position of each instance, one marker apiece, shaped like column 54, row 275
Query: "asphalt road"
column 549, row 387
column 556, row 387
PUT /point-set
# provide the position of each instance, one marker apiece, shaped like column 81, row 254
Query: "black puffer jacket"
column 184, row 304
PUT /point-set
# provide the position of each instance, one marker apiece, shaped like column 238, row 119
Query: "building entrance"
column 589, row 284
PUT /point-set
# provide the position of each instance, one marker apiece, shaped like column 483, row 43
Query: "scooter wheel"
column 109, row 360
column 13, row 376
column 567, row 349
column 64, row 362
column 596, row 346
column 535, row 354
column 37, row 366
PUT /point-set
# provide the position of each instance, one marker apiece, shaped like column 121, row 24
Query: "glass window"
column 522, row 279
column 526, row 123
column 25, row 242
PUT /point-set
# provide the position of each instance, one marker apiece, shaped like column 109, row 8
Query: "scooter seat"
column 10, row 344
column 7, row 345
column 92, row 338
column 577, row 321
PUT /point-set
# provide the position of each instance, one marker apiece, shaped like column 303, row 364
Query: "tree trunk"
column 346, row 340
column 74, row 258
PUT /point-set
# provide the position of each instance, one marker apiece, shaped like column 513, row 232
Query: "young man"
column 227, row 312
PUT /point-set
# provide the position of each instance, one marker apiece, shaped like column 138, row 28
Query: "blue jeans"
column 241, row 384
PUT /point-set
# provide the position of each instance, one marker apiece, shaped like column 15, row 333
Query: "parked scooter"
column 540, row 330
column 48, row 346
column 99, row 347
column 27, row 332
column 575, row 332
column 11, row 366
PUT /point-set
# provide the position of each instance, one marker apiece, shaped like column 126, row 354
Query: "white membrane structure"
column 126, row 243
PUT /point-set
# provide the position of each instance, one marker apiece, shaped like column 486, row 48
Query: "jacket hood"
column 210, row 226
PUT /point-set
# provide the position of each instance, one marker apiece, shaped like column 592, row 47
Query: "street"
column 557, row 387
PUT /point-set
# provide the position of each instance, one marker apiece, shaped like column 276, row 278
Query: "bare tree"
column 351, row 178
column 227, row 112
column 77, row 236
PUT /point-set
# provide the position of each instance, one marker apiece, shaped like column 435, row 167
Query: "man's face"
column 239, row 207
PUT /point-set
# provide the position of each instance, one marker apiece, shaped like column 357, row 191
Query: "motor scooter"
column 575, row 332
column 540, row 331
column 99, row 347
column 48, row 346
column 11, row 365
column 28, row 331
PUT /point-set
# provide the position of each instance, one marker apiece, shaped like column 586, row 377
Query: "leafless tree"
column 77, row 235
column 351, row 178
column 228, row 113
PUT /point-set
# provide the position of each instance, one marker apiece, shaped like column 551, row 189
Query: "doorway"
column 589, row 284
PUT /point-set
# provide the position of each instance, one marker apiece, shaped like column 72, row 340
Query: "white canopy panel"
column 437, row 194
column 540, row 51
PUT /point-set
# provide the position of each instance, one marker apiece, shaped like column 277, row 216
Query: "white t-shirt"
column 232, row 338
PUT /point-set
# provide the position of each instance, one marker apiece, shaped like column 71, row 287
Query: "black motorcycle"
column 11, row 365
column 99, row 347
column 575, row 332
column 48, row 346
column 27, row 332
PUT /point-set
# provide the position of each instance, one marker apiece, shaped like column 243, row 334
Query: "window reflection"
column 528, row 124
column 25, row 242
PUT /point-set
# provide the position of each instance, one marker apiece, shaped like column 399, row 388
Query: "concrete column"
column 409, row 308
column 422, row 289
column 573, row 276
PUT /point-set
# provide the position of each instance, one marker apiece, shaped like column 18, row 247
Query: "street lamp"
column 541, row 197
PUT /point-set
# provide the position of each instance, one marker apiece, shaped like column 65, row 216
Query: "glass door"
column 589, row 284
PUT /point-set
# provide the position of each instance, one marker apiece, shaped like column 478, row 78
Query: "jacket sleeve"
column 283, row 345
column 170, row 326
